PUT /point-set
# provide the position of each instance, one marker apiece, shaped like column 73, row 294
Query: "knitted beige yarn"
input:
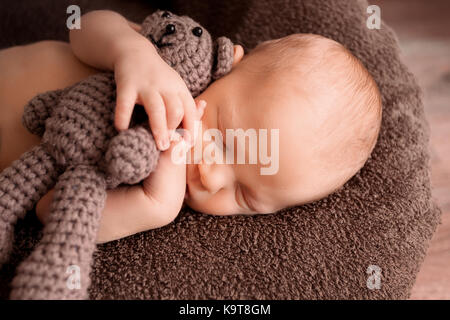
column 81, row 155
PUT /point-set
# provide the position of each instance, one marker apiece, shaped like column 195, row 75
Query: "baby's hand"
column 143, row 77
column 152, row 204
column 167, row 184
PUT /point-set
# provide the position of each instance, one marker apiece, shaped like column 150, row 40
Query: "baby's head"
column 320, row 99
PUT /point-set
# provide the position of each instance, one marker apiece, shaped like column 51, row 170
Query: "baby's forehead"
column 272, row 103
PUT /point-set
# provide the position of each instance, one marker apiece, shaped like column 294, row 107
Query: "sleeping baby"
column 319, row 99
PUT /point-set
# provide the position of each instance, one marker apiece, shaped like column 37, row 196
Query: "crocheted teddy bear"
column 82, row 155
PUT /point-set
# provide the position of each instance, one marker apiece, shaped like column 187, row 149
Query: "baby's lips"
column 186, row 193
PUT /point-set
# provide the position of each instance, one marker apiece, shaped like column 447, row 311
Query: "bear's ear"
column 223, row 57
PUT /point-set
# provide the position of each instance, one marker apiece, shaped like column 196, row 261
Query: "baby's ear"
column 224, row 54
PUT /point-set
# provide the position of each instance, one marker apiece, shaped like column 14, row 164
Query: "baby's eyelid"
column 219, row 123
column 222, row 132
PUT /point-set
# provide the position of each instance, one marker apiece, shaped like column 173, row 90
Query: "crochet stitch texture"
column 82, row 155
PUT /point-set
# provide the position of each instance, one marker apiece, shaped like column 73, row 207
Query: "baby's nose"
column 213, row 177
column 170, row 29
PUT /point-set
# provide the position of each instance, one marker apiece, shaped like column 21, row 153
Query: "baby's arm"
column 132, row 209
column 107, row 40
column 104, row 36
column 154, row 203
column 26, row 71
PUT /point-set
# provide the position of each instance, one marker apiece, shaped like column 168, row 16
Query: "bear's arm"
column 131, row 156
column 38, row 109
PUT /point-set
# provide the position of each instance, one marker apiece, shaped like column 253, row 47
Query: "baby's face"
column 312, row 114
column 241, row 100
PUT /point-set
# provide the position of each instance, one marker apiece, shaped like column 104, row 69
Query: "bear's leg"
column 59, row 266
column 22, row 184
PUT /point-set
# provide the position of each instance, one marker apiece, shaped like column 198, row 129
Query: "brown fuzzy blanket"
column 384, row 216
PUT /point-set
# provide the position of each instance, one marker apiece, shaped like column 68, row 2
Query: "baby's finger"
column 201, row 105
column 156, row 111
column 126, row 98
column 174, row 111
column 190, row 116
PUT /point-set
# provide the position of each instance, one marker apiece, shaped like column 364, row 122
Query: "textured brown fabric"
column 68, row 239
column 79, row 139
column 384, row 216
column 21, row 185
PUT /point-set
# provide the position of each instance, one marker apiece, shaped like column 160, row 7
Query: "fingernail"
column 173, row 135
column 164, row 144
column 187, row 137
column 202, row 104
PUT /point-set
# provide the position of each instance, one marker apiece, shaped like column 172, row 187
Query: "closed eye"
column 223, row 132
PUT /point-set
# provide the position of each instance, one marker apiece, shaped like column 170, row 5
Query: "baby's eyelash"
column 219, row 127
